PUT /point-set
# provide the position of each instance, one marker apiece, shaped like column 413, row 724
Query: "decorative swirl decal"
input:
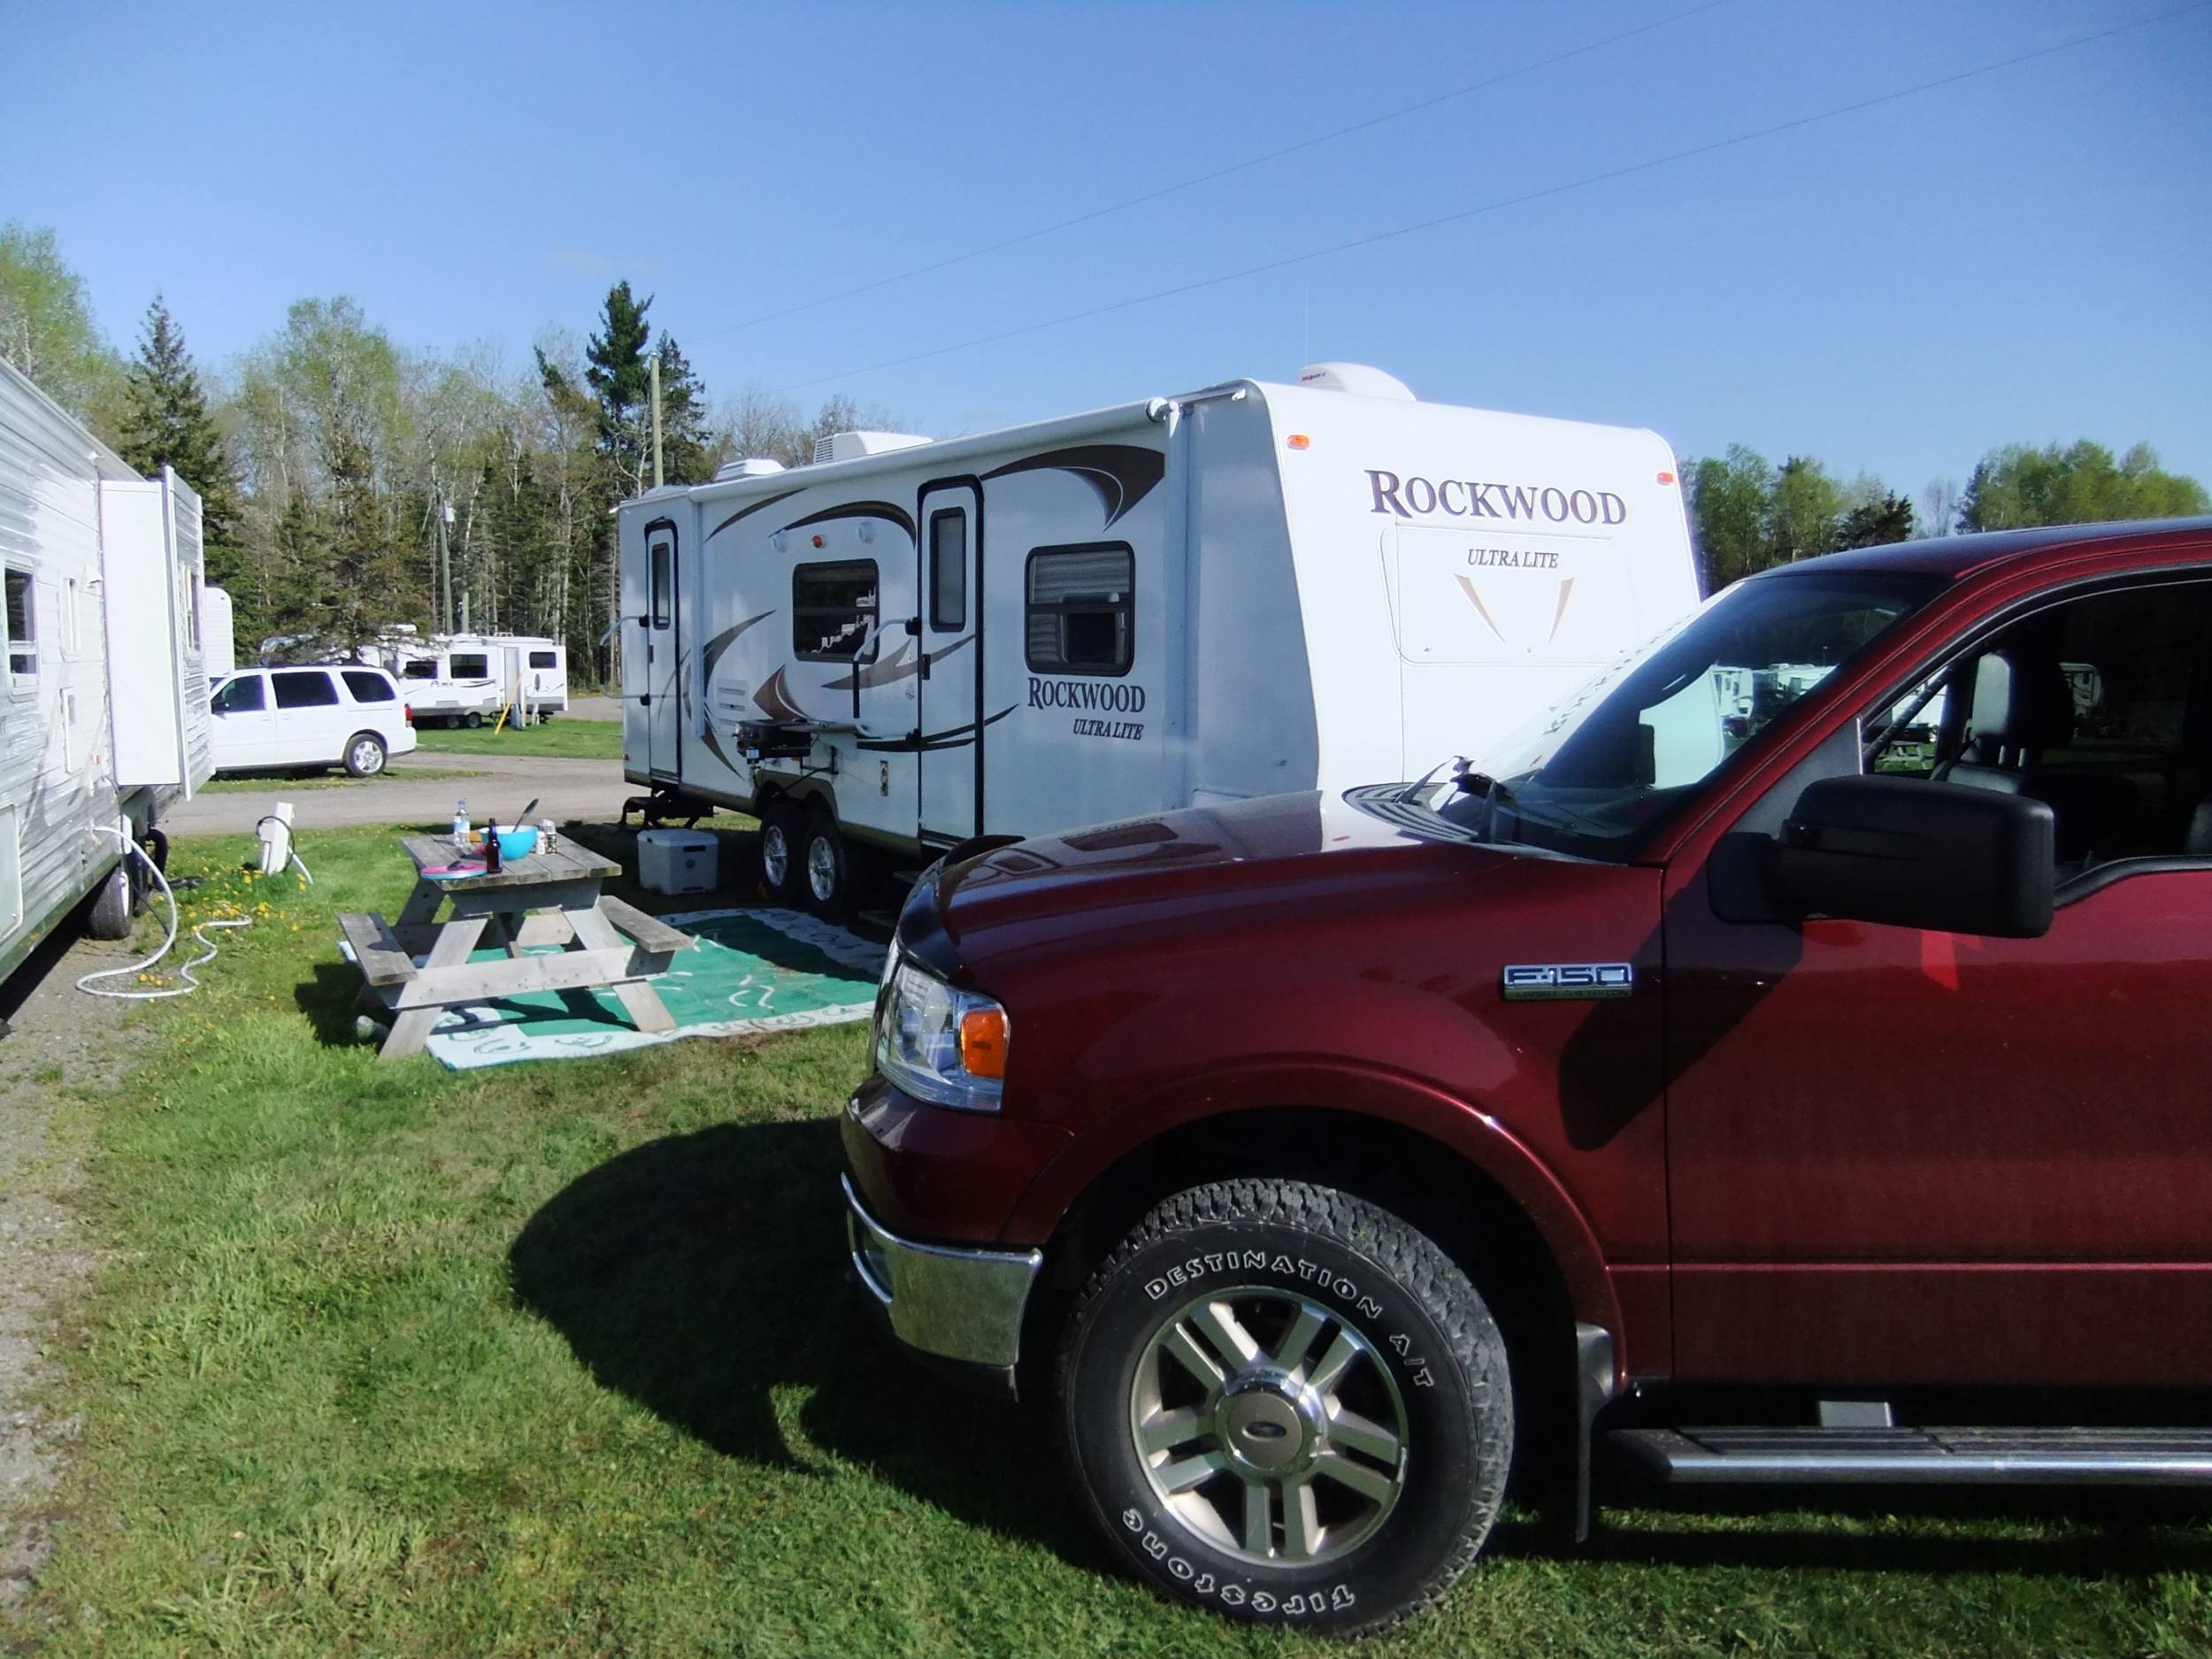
column 1121, row 474
column 883, row 510
column 765, row 502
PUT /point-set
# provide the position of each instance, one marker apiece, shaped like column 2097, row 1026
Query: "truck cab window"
column 2096, row 707
column 1082, row 611
column 832, row 610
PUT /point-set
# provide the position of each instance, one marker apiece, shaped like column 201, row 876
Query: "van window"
column 305, row 688
column 664, row 566
column 949, row 569
column 832, row 609
column 543, row 659
column 421, row 668
column 474, row 665
column 242, row 695
column 22, row 626
column 368, row 686
column 1082, row 612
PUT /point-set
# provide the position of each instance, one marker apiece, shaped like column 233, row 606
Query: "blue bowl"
column 516, row 844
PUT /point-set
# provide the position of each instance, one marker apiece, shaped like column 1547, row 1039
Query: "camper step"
column 1914, row 1456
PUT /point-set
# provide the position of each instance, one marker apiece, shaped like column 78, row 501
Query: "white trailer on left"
column 103, row 695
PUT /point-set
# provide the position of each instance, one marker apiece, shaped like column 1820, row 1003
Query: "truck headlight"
column 939, row 1043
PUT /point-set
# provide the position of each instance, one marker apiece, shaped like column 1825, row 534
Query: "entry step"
column 1912, row 1456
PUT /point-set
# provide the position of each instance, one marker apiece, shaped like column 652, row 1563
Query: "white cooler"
column 676, row 860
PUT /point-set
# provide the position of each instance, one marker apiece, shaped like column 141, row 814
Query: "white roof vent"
column 751, row 466
column 851, row 446
column 1356, row 378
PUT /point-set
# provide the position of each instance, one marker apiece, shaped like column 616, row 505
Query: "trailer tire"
column 364, row 755
column 473, row 720
column 111, row 914
column 830, row 868
column 1267, row 1495
column 782, row 866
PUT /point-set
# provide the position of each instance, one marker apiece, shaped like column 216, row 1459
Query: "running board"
column 1906, row 1457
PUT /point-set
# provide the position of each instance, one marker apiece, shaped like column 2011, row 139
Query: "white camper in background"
column 466, row 679
column 1244, row 590
column 103, row 702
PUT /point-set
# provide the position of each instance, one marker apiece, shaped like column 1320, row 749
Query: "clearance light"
column 818, row 540
column 1299, row 441
column 1664, row 477
column 983, row 1042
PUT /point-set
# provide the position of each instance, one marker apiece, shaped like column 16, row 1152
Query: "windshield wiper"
column 1458, row 763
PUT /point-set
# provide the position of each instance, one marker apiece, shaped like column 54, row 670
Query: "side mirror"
column 1910, row 853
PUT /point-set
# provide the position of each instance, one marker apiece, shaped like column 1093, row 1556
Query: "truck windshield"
column 1593, row 774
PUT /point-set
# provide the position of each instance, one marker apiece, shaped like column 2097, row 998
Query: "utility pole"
column 445, row 563
column 653, row 368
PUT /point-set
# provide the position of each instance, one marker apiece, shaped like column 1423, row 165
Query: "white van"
column 334, row 715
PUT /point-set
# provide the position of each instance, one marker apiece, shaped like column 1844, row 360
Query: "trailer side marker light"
column 1299, row 441
column 818, row 540
column 1666, row 478
column 983, row 1042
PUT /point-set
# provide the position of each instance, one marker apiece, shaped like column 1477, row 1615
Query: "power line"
column 1587, row 180
column 1192, row 182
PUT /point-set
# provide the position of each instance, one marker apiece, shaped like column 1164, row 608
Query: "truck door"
column 662, row 636
column 949, row 707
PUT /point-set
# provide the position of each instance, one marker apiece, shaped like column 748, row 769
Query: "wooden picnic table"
column 546, row 898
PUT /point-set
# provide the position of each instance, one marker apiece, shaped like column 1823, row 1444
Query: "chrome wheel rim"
column 365, row 757
column 821, row 869
column 1269, row 1426
column 775, row 855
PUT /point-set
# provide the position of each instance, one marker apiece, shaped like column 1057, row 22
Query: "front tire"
column 1286, row 1404
column 364, row 755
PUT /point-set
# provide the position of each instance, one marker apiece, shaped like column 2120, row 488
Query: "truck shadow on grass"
column 700, row 1274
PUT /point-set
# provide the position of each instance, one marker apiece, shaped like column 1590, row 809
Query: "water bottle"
column 461, row 824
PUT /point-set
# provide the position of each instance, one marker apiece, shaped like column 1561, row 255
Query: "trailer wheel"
column 781, row 871
column 473, row 720
column 364, row 755
column 110, row 917
column 831, row 866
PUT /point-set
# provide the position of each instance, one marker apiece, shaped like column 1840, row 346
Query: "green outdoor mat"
column 752, row 971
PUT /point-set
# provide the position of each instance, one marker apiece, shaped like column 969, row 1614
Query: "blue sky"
column 2026, row 255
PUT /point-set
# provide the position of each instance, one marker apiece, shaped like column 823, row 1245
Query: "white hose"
column 130, row 845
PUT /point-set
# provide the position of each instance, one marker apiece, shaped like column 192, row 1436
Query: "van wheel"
column 1285, row 1404
column 781, row 828
column 473, row 720
column 110, row 915
column 831, row 868
column 364, row 754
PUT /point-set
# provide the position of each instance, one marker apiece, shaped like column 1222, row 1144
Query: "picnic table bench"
column 548, row 898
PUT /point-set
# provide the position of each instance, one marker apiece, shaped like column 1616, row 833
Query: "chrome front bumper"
column 964, row 1305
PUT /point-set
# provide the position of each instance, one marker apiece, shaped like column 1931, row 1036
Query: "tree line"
column 348, row 481
column 1746, row 513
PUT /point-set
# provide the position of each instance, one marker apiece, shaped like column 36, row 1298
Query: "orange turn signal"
column 1299, row 441
column 983, row 1042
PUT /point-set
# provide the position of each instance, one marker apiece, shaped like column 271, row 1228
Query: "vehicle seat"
column 2020, row 709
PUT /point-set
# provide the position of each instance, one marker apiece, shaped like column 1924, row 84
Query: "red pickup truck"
column 1808, row 1027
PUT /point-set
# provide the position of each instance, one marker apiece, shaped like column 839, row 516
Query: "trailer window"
column 542, row 659
column 305, row 688
column 832, row 610
column 477, row 666
column 421, row 668
column 949, row 569
column 22, row 626
column 1082, row 611
column 662, row 572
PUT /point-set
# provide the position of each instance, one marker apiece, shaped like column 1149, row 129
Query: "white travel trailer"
column 103, row 701
column 466, row 679
column 1246, row 589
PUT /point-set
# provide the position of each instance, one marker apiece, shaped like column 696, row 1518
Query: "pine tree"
column 689, row 452
column 166, row 423
column 621, row 384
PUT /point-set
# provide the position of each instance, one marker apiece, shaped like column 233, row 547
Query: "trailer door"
column 663, row 652
column 949, row 718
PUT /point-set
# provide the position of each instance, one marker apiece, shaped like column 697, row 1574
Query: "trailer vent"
column 851, row 446
column 1356, row 378
column 751, row 466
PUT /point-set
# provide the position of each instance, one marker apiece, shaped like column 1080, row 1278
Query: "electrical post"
column 653, row 369
column 445, row 563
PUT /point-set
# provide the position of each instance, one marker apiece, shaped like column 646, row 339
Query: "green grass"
column 561, row 738
column 332, row 779
column 561, row 1359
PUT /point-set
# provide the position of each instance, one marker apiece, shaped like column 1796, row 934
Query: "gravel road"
column 568, row 791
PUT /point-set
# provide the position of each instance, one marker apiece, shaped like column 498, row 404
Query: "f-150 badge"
column 1567, row 981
